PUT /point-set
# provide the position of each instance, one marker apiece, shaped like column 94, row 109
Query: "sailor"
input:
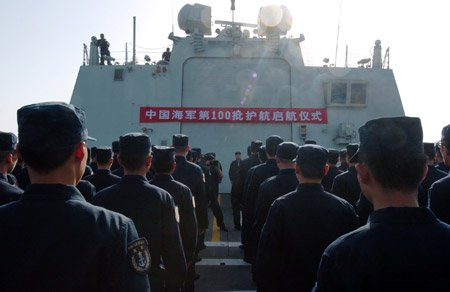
column 299, row 227
column 115, row 149
column 56, row 240
column 104, row 50
column 93, row 163
column 233, row 173
column 192, row 176
column 164, row 164
column 440, row 164
column 260, row 174
column 439, row 193
column 433, row 173
column 103, row 178
column 8, row 160
column 274, row 187
column 166, row 55
column 87, row 190
column 346, row 184
column 404, row 247
column 343, row 159
column 216, row 177
column 333, row 171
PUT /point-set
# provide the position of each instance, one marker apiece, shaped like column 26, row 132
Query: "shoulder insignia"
column 139, row 256
column 177, row 215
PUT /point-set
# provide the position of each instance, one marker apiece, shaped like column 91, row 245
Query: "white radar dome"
column 197, row 16
column 274, row 19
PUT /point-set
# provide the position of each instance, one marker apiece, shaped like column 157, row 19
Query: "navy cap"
column 273, row 141
column 313, row 155
column 51, row 123
column 8, row 141
column 115, row 146
column 93, row 151
column 342, row 153
column 255, row 145
column 352, row 149
column 163, row 153
column 134, row 143
column 390, row 135
column 445, row 134
column 198, row 150
column 309, row 142
column 428, row 149
column 262, row 153
column 333, row 154
column 180, row 140
column 287, row 150
column 104, row 153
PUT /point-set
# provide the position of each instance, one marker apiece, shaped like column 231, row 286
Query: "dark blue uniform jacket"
column 153, row 211
column 400, row 249
column 439, row 199
column 8, row 192
column 299, row 227
column 346, row 186
column 328, row 179
column 103, row 178
column 55, row 241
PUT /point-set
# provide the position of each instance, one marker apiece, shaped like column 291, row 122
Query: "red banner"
column 233, row 115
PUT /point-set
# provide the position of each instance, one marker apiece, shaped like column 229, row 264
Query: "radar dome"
column 274, row 19
column 195, row 17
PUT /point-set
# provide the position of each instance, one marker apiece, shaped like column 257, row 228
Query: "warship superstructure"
column 225, row 91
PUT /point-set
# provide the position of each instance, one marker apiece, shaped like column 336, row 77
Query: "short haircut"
column 179, row 149
column 4, row 154
column 286, row 161
column 312, row 171
column 102, row 159
column 405, row 169
column 249, row 150
column 46, row 158
column 133, row 162
column 162, row 165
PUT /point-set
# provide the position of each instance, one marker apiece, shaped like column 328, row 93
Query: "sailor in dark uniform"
column 104, row 50
column 404, row 247
column 8, row 159
column 233, row 173
column 152, row 210
column 191, row 175
column 274, row 187
column 87, row 190
column 343, row 159
column 56, row 241
column 439, row 193
column 260, row 174
column 93, row 163
column 299, row 227
column 346, row 185
column 440, row 164
column 163, row 164
column 433, row 173
column 103, row 178
column 333, row 171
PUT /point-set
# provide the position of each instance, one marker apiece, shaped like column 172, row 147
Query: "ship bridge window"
column 118, row 74
column 345, row 93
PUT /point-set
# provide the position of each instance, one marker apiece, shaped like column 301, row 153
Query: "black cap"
column 390, row 135
column 115, row 146
column 134, row 143
column 180, row 140
column 273, row 141
column 189, row 155
column 198, row 150
column 333, row 154
column 445, row 134
column 93, row 151
column 262, row 153
column 8, row 141
column 428, row 149
column 254, row 146
column 51, row 123
column 104, row 153
column 287, row 150
column 352, row 149
column 312, row 155
column 163, row 153
column 342, row 153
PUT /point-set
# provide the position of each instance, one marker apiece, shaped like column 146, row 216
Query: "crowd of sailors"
column 134, row 219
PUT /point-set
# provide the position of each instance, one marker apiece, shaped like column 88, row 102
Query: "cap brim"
column 91, row 139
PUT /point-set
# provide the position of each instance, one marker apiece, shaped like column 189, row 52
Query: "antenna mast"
column 337, row 40
column 233, row 8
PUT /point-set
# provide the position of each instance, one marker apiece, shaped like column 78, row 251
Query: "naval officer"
column 8, row 160
column 103, row 177
column 152, row 210
column 56, row 241
column 299, row 227
column 404, row 247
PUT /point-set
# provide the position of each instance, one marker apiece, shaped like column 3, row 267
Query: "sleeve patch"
column 139, row 256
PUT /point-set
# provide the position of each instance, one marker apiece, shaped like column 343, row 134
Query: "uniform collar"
column 286, row 171
column 133, row 179
column 180, row 158
column 403, row 215
column 3, row 177
column 103, row 171
column 271, row 162
column 351, row 169
column 162, row 177
column 52, row 192
column 310, row 187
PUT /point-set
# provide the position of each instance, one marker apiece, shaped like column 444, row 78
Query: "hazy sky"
column 42, row 43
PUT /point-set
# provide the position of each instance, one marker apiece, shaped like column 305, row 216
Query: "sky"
column 42, row 43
